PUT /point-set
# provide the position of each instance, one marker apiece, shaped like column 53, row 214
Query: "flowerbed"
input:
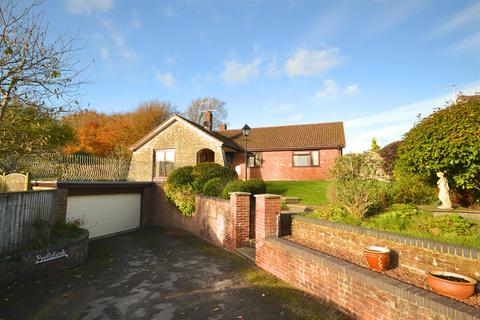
column 59, row 254
column 408, row 220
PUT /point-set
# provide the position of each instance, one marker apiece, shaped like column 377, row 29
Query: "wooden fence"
column 26, row 218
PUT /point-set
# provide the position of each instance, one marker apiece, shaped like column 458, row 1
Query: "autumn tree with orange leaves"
column 111, row 135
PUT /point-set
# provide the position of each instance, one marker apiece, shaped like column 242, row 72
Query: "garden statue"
column 443, row 195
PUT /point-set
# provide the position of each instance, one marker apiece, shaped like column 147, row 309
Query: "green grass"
column 310, row 192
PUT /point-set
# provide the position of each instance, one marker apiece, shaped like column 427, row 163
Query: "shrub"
column 412, row 189
column 448, row 224
column 397, row 218
column 336, row 213
column 359, row 185
column 252, row 186
column 203, row 172
column 389, row 154
column 448, row 141
column 214, row 187
column 67, row 230
column 183, row 196
column 181, row 176
column 183, row 183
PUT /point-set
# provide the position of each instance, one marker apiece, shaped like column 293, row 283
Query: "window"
column 164, row 162
column 255, row 160
column 306, row 158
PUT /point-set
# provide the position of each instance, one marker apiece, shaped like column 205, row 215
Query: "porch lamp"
column 246, row 132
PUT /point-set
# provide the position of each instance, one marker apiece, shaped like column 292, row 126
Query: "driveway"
column 160, row 274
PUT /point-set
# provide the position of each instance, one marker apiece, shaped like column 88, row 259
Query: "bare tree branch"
column 34, row 71
column 195, row 111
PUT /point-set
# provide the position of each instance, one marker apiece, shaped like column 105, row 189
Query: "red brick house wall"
column 278, row 165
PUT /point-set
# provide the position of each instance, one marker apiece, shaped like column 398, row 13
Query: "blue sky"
column 373, row 64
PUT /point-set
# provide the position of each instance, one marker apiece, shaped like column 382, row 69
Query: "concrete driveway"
column 160, row 274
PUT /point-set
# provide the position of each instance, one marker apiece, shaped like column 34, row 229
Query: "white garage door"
column 106, row 214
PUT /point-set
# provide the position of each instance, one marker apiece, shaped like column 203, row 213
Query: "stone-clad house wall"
column 186, row 141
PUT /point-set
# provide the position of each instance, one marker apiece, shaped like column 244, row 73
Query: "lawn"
column 310, row 192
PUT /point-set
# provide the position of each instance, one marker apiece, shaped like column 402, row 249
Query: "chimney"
column 207, row 120
column 223, row 126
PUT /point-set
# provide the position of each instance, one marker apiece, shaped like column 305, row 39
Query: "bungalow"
column 295, row 152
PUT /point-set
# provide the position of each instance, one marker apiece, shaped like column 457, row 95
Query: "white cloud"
column 88, row 6
column 166, row 79
column 472, row 41
column 235, row 72
column 389, row 126
column 113, row 43
column 352, row 89
column 464, row 17
column 104, row 53
column 125, row 51
column 272, row 69
column 310, row 62
column 330, row 90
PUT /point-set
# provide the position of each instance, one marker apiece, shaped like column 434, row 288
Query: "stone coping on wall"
column 25, row 265
column 432, row 301
column 434, row 245
column 268, row 196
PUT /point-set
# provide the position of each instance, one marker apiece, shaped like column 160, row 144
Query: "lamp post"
column 246, row 132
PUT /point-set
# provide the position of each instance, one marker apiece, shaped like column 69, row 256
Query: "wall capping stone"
column 240, row 193
column 268, row 196
column 427, row 299
column 434, row 245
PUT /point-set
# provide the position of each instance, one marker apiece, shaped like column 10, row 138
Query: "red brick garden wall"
column 414, row 255
column 360, row 292
column 224, row 223
column 277, row 165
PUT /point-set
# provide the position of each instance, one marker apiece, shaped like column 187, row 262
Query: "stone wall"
column 186, row 141
column 277, row 165
column 23, row 265
column 362, row 293
column 224, row 223
column 413, row 254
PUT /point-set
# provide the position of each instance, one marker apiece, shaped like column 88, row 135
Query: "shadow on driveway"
column 160, row 274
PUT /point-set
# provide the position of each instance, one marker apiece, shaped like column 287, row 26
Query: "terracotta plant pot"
column 378, row 258
column 451, row 284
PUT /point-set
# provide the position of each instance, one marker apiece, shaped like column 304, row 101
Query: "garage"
column 105, row 214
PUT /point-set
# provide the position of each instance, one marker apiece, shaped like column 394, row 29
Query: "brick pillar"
column 240, row 215
column 267, row 208
column 61, row 204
